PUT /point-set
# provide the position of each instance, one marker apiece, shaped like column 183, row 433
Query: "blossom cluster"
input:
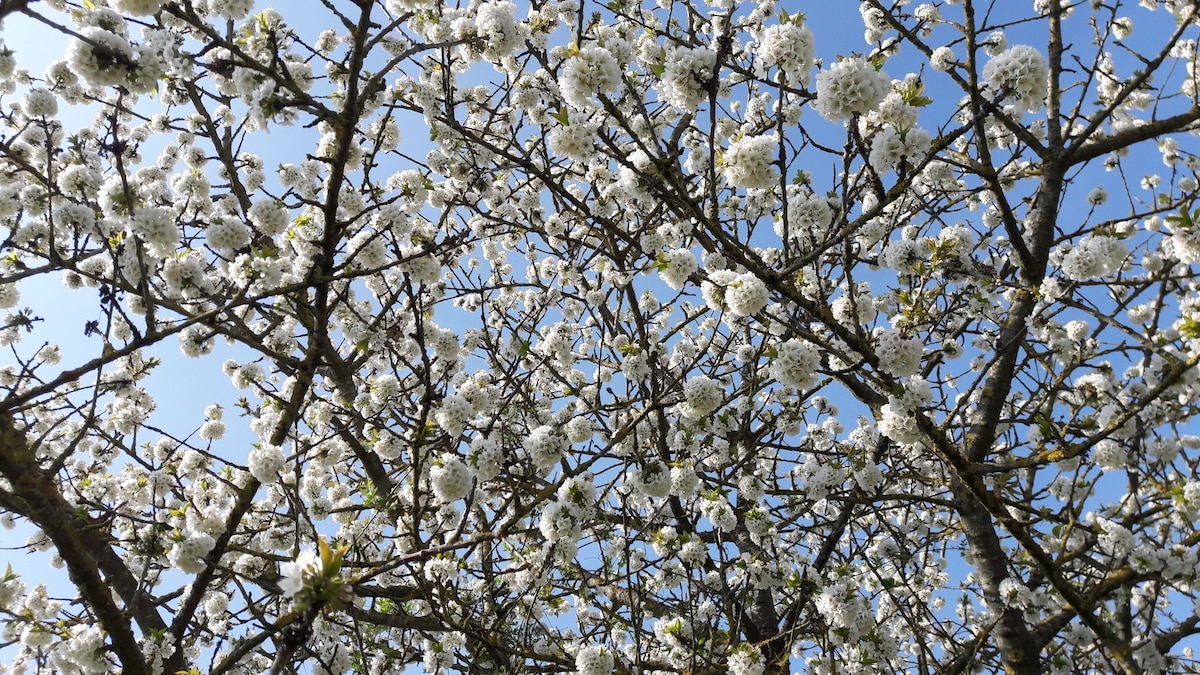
column 741, row 294
column 790, row 47
column 1019, row 74
column 749, row 162
column 848, row 87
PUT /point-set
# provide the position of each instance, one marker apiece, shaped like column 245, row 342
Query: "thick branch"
column 46, row 507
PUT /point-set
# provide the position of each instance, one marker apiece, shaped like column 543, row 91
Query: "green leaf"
column 562, row 116
column 1190, row 328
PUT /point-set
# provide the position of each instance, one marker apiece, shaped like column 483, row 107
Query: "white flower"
column 808, row 215
column 898, row 424
column 577, row 137
column 1094, row 257
column 688, row 72
column 742, row 294
column 454, row 414
column 890, row 146
column 563, row 520
column 927, row 12
column 1014, row 593
column 746, row 661
column 746, row 294
column 450, row 478
column 1020, row 73
column 942, row 59
column 138, row 7
column 227, row 234
column 1110, row 455
column 1115, row 539
column 105, row 58
column 593, row 70
column 1122, row 27
column 652, row 480
column 156, row 225
column 402, row 6
column 265, row 462
column 545, row 447
column 684, row 480
column 369, row 250
column 850, row 87
column 10, row 200
column 674, row 267
column 701, row 396
column 905, row 255
column 212, row 430
column 579, row 429
column 693, row 552
column 1184, row 243
column 718, row 512
column 790, row 48
column 297, row 572
column 246, row 375
column 9, row 296
column 898, row 356
column 894, row 110
column 232, row 9
column 39, row 102
column 594, row 660
column 269, row 217
column 424, row 269
column 79, row 180
column 995, row 43
column 955, row 241
column 496, row 23
column 795, row 364
column 50, row 354
column 1077, row 331
column 750, row 162
column 188, row 555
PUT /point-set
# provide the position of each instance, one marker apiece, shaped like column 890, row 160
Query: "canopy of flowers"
column 590, row 338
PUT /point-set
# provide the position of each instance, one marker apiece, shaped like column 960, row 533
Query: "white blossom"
column 848, row 87
column 297, row 573
column 795, row 364
column 9, row 296
column 750, row 162
column 685, row 79
column 451, row 478
column 1094, row 257
column 591, row 71
column 1019, row 74
column 701, row 396
column 943, row 59
column 676, row 266
column 789, row 47
column 594, row 660
column 898, row 356
column 266, row 461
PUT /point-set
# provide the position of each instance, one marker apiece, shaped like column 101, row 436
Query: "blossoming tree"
column 684, row 344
